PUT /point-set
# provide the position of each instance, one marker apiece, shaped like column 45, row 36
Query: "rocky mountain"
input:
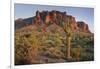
column 47, row 18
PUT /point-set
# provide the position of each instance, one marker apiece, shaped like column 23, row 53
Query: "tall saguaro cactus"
column 67, row 29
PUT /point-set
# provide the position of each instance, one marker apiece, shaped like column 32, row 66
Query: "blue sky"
column 80, row 13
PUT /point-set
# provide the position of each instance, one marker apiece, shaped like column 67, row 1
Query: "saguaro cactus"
column 67, row 29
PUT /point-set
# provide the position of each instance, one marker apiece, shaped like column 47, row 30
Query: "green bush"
column 26, row 48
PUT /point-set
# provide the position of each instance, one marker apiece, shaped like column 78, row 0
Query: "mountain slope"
column 49, row 17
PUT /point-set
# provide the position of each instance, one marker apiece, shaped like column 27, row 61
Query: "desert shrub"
column 26, row 48
column 54, row 53
column 76, row 52
column 39, row 29
column 85, row 56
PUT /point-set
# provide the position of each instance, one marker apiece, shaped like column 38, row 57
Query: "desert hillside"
column 51, row 37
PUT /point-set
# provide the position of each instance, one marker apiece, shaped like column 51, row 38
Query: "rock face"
column 20, row 23
column 73, row 23
column 82, row 26
column 47, row 18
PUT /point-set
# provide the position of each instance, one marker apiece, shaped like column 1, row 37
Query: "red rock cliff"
column 47, row 18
